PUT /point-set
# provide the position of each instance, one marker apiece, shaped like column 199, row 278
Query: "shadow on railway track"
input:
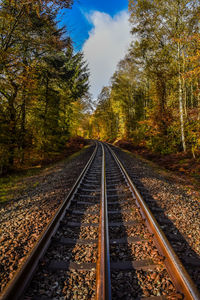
column 189, row 258
column 125, row 284
column 124, row 277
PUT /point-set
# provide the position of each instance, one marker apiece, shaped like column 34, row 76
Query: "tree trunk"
column 12, row 128
column 180, row 92
column 191, row 95
column 185, row 98
column 198, row 101
column 23, row 106
column 45, row 115
column 162, row 96
column 184, row 87
column 46, row 103
column 23, row 127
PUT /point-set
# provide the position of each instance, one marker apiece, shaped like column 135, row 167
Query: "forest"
column 42, row 83
column 153, row 99
column 154, row 96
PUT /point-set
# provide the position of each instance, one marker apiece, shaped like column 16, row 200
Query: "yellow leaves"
column 152, row 128
column 27, row 78
column 193, row 56
column 193, row 73
column 38, row 11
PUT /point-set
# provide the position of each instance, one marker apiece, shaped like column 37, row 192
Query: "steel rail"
column 103, row 281
column 181, row 278
column 17, row 285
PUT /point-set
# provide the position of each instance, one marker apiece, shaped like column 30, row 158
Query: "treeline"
column 42, row 81
column 154, row 96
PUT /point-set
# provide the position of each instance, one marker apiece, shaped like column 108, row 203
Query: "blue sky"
column 77, row 23
column 101, row 30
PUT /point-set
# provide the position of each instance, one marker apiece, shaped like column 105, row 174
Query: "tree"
column 161, row 27
column 40, row 79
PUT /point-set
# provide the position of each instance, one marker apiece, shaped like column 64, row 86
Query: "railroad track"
column 103, row 243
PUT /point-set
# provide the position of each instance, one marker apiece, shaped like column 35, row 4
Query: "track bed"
column 103, row 245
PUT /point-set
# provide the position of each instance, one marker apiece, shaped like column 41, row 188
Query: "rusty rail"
column 181, row 278
column 103, row 282
column 17, row 285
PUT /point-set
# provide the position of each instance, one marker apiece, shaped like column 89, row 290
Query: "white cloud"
column 107, row 43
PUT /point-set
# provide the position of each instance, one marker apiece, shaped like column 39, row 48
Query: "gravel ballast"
column 174, row 203
column 26, row 216
column 175, row 207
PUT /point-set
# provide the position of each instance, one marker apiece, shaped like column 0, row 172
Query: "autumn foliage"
column 41, row 80
column 154, row 97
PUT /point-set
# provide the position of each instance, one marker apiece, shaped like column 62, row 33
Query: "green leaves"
column 41, row 79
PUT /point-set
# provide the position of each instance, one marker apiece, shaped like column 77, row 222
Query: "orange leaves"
column 151, row 127
column 28, row 77
column 193, row 56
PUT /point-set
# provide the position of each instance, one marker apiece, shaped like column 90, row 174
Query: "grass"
column 13, row 184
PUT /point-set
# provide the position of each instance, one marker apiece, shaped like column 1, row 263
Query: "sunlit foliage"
column 154, row 97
